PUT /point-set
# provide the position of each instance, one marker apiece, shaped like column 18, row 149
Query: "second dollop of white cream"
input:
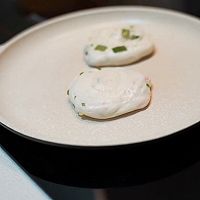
column 112, row 37
column 107, row 93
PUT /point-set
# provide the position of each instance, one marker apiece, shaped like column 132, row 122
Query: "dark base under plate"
column 105, row 167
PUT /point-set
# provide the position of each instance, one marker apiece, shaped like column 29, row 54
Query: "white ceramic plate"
column 37, row 66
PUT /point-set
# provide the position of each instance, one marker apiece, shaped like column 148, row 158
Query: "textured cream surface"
column 36, row 70
column 107, row 93
column 112, row 37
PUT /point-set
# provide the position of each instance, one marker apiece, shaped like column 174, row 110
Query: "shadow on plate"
column 143, row 59
column 84, row 117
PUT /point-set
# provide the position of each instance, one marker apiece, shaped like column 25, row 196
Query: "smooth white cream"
column 107, row 93
column 101, row 48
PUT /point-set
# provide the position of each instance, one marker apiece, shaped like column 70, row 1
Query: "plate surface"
column 37, row 66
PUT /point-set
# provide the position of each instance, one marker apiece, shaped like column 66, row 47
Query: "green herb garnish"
column 119, row 49
column 148, row 85
column 68, row 92
column 74, row 97
column 81, row 73
column 133, row 37
column 100, row 47
column 73, row 106
column 126, row 33
column 83, row 104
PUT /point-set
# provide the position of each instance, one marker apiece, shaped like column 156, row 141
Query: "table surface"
column 16, row 184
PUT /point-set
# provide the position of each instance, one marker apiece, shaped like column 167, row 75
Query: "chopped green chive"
column 126, row 33
column 73, row 106
column 148, row 85
column 83, row 104
column 133, row 37
column 74, row 97
column 100, row 48
column 81, row 73
column 68, row 92
column 119, row 49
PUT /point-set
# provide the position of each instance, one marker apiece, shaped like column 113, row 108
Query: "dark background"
column 16, row 16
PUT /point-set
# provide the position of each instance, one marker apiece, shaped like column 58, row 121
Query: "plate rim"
column 84, row 12
column 104, row 147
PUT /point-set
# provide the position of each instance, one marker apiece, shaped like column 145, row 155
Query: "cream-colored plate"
column 37, row 66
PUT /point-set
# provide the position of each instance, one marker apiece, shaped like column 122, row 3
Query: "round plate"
column 37, row 66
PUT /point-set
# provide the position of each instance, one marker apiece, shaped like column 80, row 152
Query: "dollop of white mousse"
column 108, row 93
column 137, row 43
